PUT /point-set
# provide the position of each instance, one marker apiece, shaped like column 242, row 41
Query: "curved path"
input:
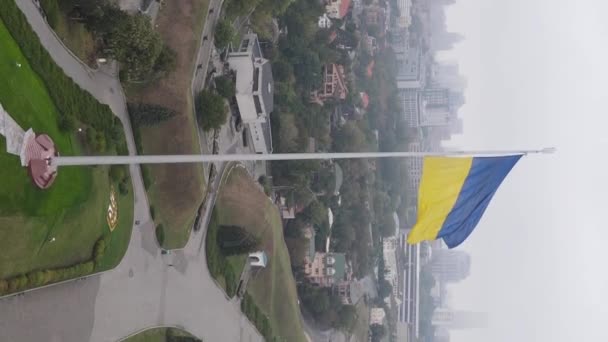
column 146, row 289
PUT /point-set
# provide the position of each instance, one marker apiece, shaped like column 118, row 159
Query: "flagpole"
column 202, row 158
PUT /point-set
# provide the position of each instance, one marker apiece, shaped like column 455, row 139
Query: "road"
column 147, row 288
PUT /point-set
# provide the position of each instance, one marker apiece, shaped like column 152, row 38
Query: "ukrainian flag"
column 453, row 195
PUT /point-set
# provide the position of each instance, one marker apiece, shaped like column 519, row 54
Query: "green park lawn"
column 73, row 210
column 242, row 203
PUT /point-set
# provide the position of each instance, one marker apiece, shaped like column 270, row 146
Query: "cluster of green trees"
column 235, row 240
column 258, row 318
column 49, row 276
column 211, row 110
column 327, row 307
column 224, row 34
column 130, row 39
column 120, row 175
column 75, row 105
column 147, row 114
column 218, row 264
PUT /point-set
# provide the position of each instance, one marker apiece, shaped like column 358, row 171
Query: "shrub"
column 123, row 188
column 152, row 212
column 225, row 86
column 3, row 286
column 99, row 250
column 117, row 172
column 147, row 177
column 51, row 10
column 160, row 234
column 146, row 114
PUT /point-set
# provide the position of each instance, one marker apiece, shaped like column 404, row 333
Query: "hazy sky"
column 538, row 76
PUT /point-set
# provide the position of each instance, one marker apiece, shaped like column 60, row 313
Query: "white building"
column 254, row 91
column 324, row 21
column 376, row 316
column 389, row 252
column 405, row 13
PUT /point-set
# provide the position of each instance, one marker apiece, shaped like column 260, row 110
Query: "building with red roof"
column 337, row 9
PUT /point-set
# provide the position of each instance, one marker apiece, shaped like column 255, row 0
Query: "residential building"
column 376, row 316
column 390, row 262
column 405, row 13
column 334, row 84
column 324, row 21
column 375, row 15
column 337, row 9
column 326, row 269
column 410, row 106
column 254, row 91
column 411, row 71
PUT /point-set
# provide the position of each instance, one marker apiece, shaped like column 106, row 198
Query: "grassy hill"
column 242, row 202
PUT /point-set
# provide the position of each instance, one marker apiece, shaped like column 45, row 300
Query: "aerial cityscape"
column 171, row 171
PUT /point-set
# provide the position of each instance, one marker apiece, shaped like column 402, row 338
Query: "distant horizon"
column 538, row 249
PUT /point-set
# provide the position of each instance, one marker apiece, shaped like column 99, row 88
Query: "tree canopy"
column 210, row 110
column 224, row 32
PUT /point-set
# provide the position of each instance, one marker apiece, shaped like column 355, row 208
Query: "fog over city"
column 536, row 77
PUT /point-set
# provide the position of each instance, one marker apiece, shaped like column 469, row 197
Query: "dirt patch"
column 177, row 190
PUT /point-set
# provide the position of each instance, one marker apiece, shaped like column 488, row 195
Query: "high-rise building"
column 458, row 319
column 450, row 265
column 411, row 71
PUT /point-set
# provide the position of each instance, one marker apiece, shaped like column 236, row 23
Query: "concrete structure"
column 12, row 132
column 326, row 269
column 376, row 316
column 254, row 90
column 258, row 259
column 337, row 9
column 334, row 84
column 450, row 265
column 458, row 319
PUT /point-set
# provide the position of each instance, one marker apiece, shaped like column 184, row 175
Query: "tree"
column 282, row 71
column 224, row 32
column 288, row 133
column 234, row 240
column 347, row 317
column 210, row 110
column 378, row 332
column 384, row 288
column 136, row 45
column 166, row 61
column 224, row 85
column 147, row 114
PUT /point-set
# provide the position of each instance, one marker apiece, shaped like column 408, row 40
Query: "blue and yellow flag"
column 453, row 195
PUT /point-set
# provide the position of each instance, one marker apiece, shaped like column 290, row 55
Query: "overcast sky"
column 538, row 76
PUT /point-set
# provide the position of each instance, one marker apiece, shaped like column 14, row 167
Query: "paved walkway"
column 147, row 289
